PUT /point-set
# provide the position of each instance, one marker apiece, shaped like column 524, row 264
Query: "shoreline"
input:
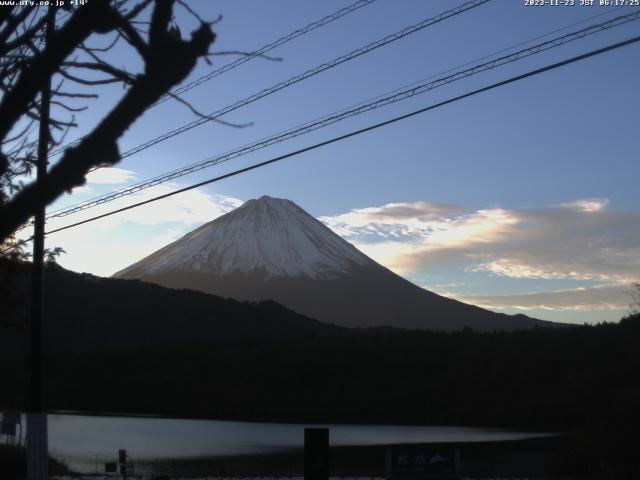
column 298, row 421
column 559, row 456
column 506, row 459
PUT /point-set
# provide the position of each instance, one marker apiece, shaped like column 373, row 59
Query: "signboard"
column 422, row 463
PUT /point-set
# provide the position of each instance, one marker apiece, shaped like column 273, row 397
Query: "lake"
column 85, row 442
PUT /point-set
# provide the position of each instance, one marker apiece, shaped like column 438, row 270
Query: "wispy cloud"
column 112, row 243
column 587, row 205
column 601, row 297
column 581, row 240
column 441, row 224
column 81, row 189
column 188, row 208
column 110, row 175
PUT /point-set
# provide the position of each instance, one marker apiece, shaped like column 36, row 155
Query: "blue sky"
column 523, row 199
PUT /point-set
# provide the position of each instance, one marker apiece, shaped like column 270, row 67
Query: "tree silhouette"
column 634, row 305
column 76, row 63
column 51, row 254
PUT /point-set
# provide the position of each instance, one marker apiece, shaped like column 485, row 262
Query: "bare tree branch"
column 24, row 37
column 208, row 117
column 84, row 81
column 12, row 23
column 135, row 11
column 118, row 74
column 75, row 95
column 68, row 108
column 99, row 147
column 86, row 20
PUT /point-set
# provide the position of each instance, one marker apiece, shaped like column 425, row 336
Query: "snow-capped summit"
column 269, row 235
column 271, row 249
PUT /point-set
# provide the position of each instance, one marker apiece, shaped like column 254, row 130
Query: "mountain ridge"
column 89, row 313
column 272, row 249
column 253, row 239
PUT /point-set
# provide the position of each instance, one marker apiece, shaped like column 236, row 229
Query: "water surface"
column 84, row 441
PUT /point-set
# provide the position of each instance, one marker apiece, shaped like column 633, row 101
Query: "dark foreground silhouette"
column 88, row 313
column 582, row 380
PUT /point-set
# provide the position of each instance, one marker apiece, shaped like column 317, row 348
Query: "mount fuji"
column 271, row 249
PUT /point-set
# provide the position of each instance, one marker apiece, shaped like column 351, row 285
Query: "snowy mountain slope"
column 271, row 249
column 271, row 235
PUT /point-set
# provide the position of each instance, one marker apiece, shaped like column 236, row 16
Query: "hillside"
column 540, row 379
column 85, row 312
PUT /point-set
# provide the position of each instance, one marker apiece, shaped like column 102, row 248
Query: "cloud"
column 110, row 175
column 396, row 219
column 587, row 205
column 583, row 244
column 391, row 212
column 100, row 254
column 410, row 237
column 601, row 297
column 104, row 176
column 107, row 245
column 188, row 208
column 420, row 220
column 580, row 240
column 81, row 189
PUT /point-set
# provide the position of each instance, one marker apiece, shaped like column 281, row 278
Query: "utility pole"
column 37, row 441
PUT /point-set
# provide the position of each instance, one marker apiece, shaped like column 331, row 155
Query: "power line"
column 344, row 114
column 246, row 58
column 484, row 57
column 281, row 41
column 307, row 74
column 363, row 130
